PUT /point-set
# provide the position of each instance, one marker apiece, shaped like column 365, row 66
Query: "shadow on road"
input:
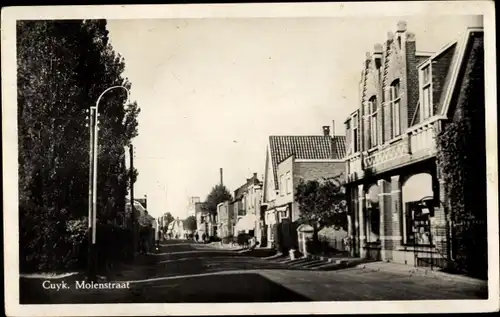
column 227, row 288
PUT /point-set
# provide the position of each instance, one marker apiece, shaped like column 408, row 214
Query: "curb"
column 330, row 260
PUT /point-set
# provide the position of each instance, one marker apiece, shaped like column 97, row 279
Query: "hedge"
column 50, row 243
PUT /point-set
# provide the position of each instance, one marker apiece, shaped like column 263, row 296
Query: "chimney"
column 255, row 175
column 221, row 179
column 390, row 36
column 377, row 55
column 333, row 127
column 402, row 26
column 326, row 130
column 368, row 59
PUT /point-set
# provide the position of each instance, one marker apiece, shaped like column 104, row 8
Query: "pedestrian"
column 204, row 237
column 196, row 237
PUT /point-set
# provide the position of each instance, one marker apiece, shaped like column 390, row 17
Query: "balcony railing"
column 415, row 144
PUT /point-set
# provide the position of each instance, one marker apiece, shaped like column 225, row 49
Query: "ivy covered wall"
column 462, row 163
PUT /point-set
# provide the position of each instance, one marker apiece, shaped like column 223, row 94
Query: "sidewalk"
column 420, row 271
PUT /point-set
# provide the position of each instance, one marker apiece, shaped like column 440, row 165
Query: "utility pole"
column 90, row 255
column 134, row 222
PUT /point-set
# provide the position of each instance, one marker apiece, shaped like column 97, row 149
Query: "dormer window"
column 395, row 104
column 426, row 110
column 372, row 113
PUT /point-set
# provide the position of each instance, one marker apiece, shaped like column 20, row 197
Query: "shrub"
column 44, row 241
column 228, row 239
column 243, row 239
column 50, row 243
column 214, row 239
column 114, row 244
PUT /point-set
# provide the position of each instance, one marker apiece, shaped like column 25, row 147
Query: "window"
column 288, row 183
column 355, row 132
column 373, row 224
column 282, row 189
column 426, row 92
column 417, row 225
column 372, row 108
column 348, row 136
column 395, row 103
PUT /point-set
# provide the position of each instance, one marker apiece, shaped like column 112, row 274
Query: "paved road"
column 185, row 272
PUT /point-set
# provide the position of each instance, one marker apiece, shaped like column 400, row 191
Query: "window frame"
column 355, row 132
column 288, row 183
column 426, row 110
column 372, row 115
column 281, row 186
column 410, row 224
column 395, row 106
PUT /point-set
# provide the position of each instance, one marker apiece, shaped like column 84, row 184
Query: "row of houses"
column 387, row 155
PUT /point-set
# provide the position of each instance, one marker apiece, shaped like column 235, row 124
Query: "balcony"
column 416, row 144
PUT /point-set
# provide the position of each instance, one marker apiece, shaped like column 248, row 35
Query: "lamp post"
column 94, row 146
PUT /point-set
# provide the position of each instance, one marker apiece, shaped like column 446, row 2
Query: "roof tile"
column 305, row 147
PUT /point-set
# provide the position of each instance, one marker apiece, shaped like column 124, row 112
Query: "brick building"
column 289, row 159
column 193, row 204
column 202, row 215
column 225, row 219
column 407, row 98
column 246, row 205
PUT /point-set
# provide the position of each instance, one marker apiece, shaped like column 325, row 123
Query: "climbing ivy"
column 462, row 163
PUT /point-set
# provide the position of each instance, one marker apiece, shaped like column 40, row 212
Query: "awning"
column 282, row 208
column 246, row 223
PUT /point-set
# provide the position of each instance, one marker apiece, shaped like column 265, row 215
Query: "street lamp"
column 94, row 145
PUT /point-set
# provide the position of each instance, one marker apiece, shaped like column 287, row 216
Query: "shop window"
column 373, row 224
column 417, row 223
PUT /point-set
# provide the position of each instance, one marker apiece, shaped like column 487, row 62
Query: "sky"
column 211, row 91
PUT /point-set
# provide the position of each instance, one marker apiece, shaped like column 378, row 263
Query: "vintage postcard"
column 228, row 159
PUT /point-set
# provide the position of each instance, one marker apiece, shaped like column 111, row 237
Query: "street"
column 186, row 272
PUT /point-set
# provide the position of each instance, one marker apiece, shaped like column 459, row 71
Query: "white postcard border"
column 398, row 9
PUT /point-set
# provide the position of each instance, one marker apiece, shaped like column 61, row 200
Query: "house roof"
column 314, row 147
column 240, row 191
column 472, row 36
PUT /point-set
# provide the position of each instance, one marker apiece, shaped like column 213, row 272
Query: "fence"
column 468, row 254
column 329, row 246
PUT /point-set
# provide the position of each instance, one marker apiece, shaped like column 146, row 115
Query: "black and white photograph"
column 266, row 158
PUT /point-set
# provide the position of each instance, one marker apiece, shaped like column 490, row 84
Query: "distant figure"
column 196, row 237
column 204, row 237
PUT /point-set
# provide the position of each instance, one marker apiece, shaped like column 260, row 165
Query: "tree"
column 322, row 203
column 168, row 219
column 218, row 194
column 63, row 66
column 190, row 224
